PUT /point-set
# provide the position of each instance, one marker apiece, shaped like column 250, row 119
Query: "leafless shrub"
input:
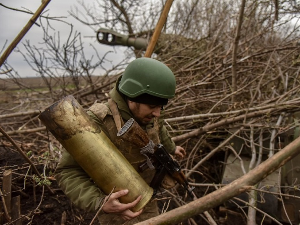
column 197, row 43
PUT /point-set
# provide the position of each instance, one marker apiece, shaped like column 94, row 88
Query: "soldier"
column 140, row 93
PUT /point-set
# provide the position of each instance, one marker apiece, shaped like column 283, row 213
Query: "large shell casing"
column 93, row 151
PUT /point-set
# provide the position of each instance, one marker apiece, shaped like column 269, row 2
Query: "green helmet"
column 147, row 76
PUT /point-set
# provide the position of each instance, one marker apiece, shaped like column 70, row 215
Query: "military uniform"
column 79, row 187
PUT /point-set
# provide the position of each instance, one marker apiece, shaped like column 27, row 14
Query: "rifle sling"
column 115, row 113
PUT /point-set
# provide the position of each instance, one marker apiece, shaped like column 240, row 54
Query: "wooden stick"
column 23, row 32
column 16, row 210
column 158, row 28
column 100, row 209
column 27, row 131
column 6, row 189
column 6, row 212
column 20, row 114
column 63, row 218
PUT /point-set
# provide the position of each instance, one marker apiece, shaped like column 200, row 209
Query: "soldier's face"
column 144, row 113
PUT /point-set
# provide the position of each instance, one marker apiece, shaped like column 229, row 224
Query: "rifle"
column 157, row 157
column 164, row 164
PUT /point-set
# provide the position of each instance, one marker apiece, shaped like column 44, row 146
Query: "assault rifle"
column 164, row 164
column 157, row 157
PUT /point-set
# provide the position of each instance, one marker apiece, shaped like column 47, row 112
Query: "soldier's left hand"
column 180, row 152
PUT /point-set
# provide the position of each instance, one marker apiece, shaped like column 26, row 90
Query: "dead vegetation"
column 237, row 93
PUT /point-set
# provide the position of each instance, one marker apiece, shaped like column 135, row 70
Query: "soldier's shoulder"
column 101, row 110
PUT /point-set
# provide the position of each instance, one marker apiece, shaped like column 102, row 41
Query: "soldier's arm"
column 77, row 185
column 167, row 142
column 165, row 137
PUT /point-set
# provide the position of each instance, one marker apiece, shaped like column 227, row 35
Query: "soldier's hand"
column 180, row 152
column 113, row 205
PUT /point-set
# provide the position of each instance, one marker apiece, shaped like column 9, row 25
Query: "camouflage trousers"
column 150, row 210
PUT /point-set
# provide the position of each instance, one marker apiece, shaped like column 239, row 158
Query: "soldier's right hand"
column 113, row 205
